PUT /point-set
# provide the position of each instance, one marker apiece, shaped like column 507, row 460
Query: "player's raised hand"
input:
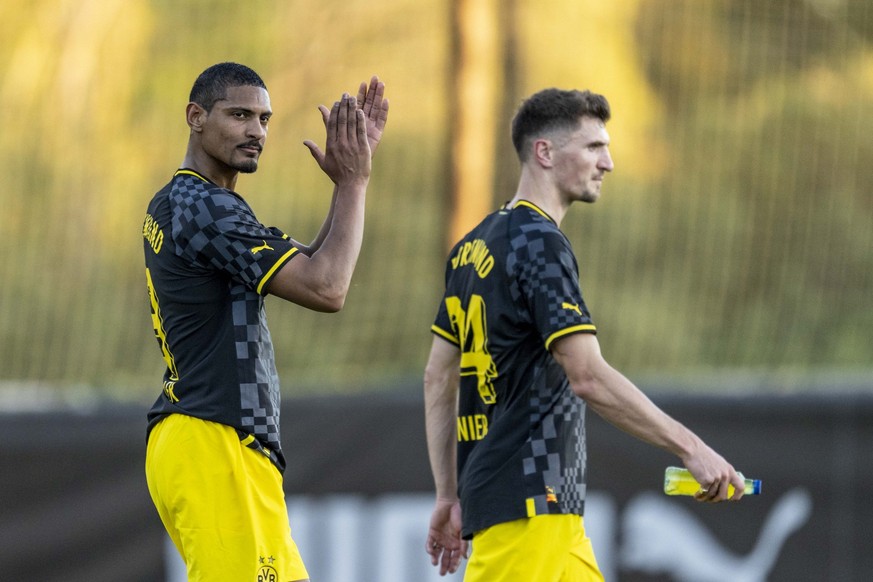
column 372, row 101
column 346, row 155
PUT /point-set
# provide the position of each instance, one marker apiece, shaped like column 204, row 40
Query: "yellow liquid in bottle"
column 678, row 481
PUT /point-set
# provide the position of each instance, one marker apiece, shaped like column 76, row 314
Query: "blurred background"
column 730, row 253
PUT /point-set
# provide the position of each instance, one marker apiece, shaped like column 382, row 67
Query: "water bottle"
column 678, row 481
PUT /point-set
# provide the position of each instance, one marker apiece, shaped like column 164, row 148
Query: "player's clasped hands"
column 354, row 129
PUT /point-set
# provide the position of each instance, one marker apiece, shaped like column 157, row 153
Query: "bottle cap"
column 756, row 486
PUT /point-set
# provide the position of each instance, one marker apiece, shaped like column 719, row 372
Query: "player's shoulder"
column 160, row 198
column 191, row 190
column 529, row 225
column 529, row 216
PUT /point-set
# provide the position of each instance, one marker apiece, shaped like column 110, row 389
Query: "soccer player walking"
column 514, row 362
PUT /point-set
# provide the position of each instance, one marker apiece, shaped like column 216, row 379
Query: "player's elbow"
column 329, row 298
column 585, row 385
column 321, row 296
column 595, row 382
column 334, row 305
column 589, row 379
column 329, row 286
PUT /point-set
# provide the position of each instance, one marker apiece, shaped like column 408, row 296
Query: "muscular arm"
column 621, row 403
column 321, row 281
column 320, row 277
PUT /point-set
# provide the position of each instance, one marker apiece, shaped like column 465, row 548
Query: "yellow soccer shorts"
column 545, row 548
column 221, row 502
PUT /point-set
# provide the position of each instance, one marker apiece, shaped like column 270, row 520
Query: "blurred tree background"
column 732, row 245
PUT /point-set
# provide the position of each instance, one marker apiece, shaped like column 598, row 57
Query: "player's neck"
column 542, row 194
column 207, row 167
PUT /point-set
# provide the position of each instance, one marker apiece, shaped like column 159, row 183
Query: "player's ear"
column 542, row 152
column 196, row 116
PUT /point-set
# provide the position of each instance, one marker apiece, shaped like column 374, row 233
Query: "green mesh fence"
column 733, row 240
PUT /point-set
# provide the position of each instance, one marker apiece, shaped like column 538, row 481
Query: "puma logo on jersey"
column 572, row 307
column 264, row 247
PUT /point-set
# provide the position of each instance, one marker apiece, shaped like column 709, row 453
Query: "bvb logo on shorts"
column 267, row 573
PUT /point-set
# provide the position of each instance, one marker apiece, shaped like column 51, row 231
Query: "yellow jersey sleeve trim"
column 282, row 260
column 248, row 440
column 585, row 327
column 445, row 335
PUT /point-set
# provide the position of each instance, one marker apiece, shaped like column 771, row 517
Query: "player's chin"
column 249, row 166
column 591, row 195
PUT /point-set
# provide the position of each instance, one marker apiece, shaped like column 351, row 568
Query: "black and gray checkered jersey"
column 512, row 288
column 208, row 262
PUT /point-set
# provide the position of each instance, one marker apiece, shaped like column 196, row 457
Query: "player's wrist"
column 353, row 185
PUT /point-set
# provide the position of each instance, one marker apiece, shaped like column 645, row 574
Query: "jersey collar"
column 534, row 207
column 183, row 171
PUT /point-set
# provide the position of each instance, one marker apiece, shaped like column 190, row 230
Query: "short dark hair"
column 554, row 109
column 212, row 84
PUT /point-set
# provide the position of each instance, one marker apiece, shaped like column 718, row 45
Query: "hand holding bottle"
column 679, row 481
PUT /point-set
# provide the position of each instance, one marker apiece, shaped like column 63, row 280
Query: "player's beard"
column 247, row 166
column 591, row 193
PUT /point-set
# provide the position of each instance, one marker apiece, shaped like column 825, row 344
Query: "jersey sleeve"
column 442, row 325
column 547, row 280
column 218, row 230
